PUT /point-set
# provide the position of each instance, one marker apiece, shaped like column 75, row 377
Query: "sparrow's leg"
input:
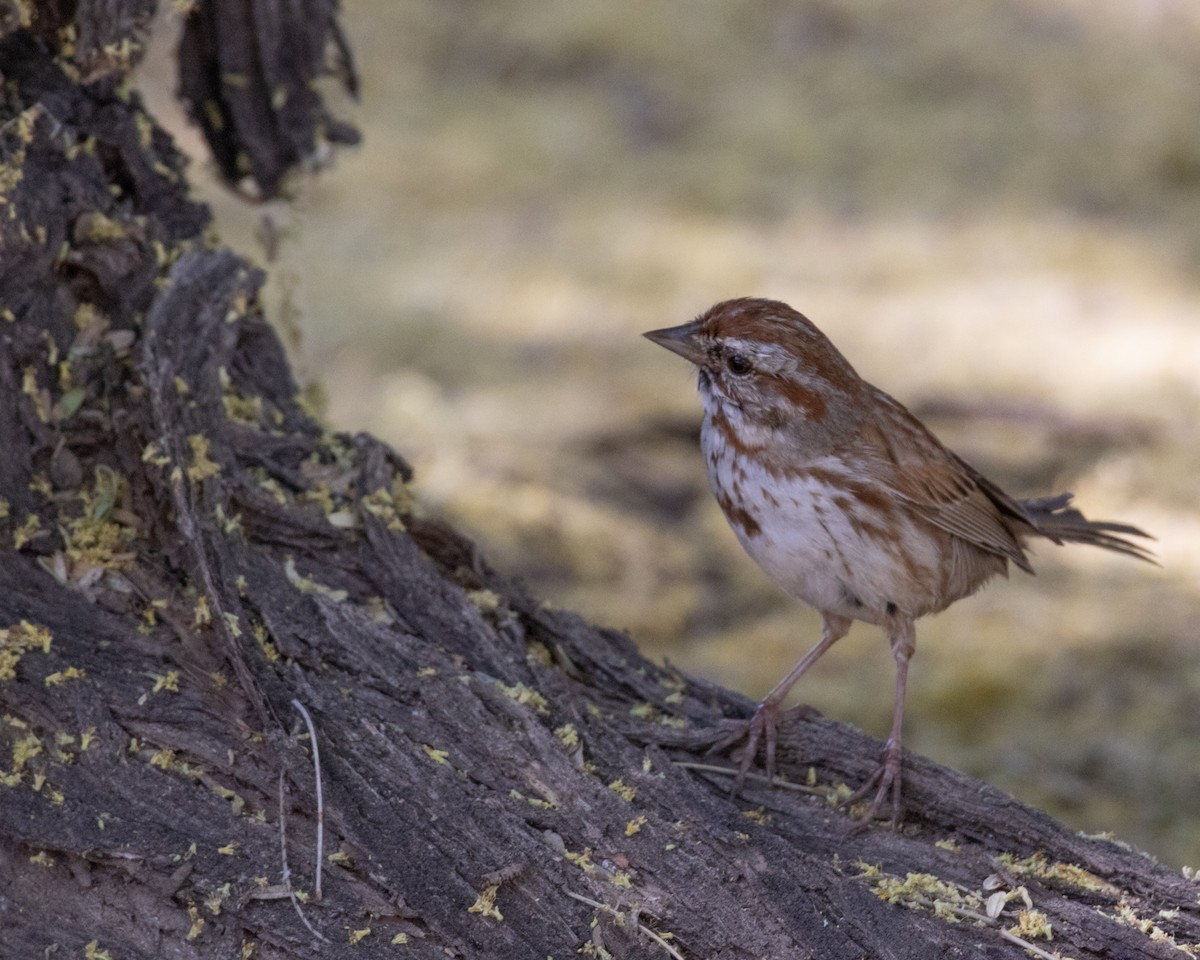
column 886, row 780
column 762, row 726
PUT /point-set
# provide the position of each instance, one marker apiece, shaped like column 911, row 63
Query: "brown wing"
column 941, row 486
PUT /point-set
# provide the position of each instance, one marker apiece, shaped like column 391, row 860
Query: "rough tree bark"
column 185, row 554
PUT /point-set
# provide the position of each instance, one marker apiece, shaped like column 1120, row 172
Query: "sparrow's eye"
column 739, row 364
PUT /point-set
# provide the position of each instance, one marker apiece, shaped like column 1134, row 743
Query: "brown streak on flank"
column 861, row 521
column 874, row 531
column 778, row 468
column 738, row 517
column 916, row 573
column 871, row 497
column 830, row 478
column 841, row 557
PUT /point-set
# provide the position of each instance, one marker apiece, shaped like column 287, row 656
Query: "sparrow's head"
column 767, row 365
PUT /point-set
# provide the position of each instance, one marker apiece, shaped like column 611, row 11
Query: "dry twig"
column 316, row 754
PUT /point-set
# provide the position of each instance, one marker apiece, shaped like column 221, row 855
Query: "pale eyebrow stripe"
column 756, row 348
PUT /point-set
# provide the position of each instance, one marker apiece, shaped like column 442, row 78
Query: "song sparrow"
column 847, row 501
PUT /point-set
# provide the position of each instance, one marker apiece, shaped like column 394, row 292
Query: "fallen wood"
column 193, row 570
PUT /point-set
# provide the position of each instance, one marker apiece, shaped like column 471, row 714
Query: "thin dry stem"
column 620, row 916
column 316, row 755
column 287, row 873
column 732, row 772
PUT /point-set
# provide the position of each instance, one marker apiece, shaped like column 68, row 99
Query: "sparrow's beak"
column 682, row 340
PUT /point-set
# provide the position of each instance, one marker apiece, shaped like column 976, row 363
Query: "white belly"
column 794, row 528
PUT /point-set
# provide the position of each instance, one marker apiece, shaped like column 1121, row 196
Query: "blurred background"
column 992, row 208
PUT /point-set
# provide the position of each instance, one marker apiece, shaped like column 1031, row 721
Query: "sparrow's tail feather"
column 1055, row 519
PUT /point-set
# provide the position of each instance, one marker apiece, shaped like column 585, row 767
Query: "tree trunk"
column 192, row 566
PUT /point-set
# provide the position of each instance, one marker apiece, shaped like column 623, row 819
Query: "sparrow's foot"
column 886, row 782
column 762, row 728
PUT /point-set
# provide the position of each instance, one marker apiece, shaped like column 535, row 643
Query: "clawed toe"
column 886, row 782
column 760, row 728
column 734, row 731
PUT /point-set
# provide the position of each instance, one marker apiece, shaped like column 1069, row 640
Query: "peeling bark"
column 247, row 70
